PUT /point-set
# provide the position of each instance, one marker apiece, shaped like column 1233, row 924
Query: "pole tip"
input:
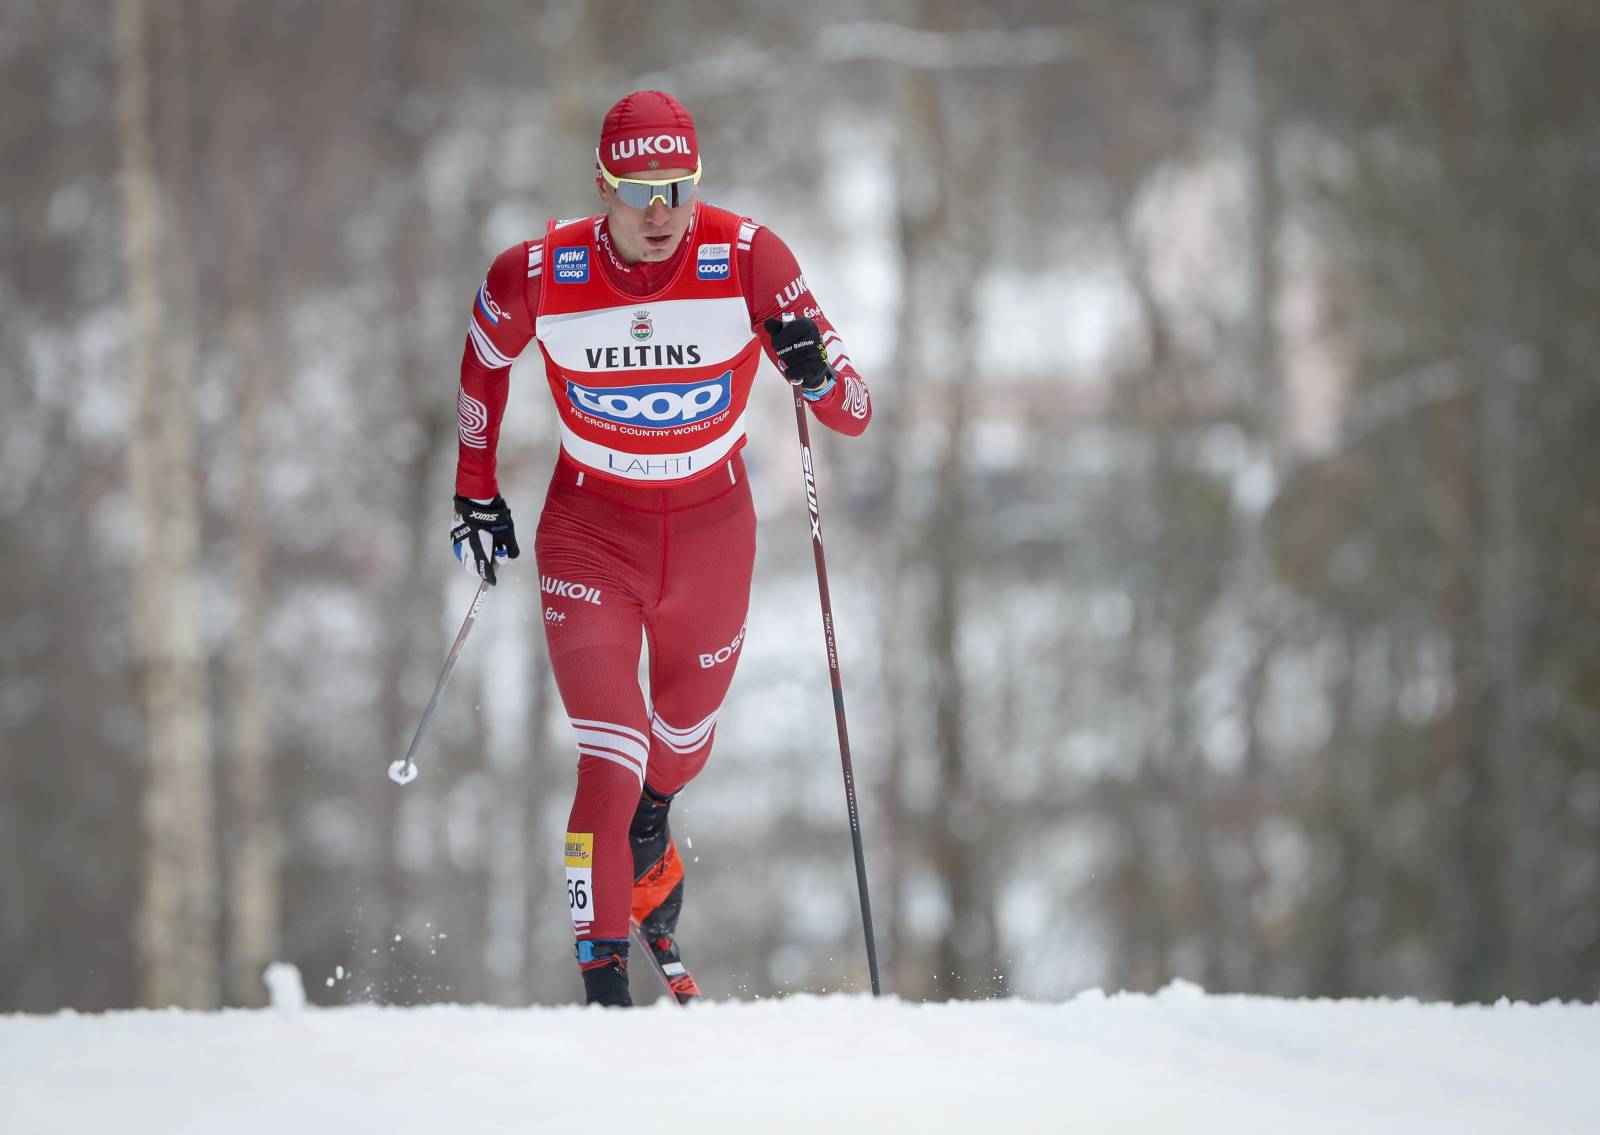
column 402, row 772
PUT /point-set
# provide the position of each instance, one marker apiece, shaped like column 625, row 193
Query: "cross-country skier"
column 651, row 318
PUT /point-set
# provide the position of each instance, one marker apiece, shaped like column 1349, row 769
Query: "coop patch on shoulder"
column 711, row 262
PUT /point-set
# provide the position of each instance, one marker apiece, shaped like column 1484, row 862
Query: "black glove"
column 482, row 534
column 801, row 355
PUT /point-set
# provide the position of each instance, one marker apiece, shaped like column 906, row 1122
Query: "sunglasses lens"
column 638, row 195
column 635, row 195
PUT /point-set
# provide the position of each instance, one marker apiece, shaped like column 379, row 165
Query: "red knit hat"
column 647, row 131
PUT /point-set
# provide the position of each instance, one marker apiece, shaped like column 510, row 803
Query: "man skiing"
column 651, row 317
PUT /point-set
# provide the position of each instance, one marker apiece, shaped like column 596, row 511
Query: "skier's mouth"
column 658, row 241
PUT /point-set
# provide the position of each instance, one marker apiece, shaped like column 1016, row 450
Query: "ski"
column 671, row 972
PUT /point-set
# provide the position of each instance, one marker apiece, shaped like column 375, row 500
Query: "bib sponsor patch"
column 658, row 406
column 572, row 266
column 711, row 262
column 580, row 849
column 580, row 877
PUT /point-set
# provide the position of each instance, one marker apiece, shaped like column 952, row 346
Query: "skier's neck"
column 638, row 277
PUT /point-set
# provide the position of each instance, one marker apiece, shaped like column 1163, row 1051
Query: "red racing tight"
column 615, row 560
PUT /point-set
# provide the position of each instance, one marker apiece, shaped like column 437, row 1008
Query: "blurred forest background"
column 1218, row 586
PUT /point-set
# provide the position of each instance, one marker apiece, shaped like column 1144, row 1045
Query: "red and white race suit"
column 647, row 523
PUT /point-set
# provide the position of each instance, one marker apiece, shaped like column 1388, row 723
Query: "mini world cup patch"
column 711, row 262
column 572, row 265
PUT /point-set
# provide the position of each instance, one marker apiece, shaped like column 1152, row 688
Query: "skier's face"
column 648, row 234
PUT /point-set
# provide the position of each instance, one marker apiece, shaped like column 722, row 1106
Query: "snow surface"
column 1177, row 1061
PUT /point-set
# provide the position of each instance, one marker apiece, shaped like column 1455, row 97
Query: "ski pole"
column 838, row 687
column 404, row 772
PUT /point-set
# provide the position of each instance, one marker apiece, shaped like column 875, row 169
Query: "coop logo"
column 659, row 406
column 707, row 661
column 656, row 144
column 572, row 265
column 711, row 263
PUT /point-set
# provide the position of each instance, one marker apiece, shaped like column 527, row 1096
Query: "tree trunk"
column 1264, row 400
column 940, row 307
column 1500, row 616
column 254, row 899
column 178, row 908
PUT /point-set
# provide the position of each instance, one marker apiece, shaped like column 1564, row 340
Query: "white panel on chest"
column 648, row 336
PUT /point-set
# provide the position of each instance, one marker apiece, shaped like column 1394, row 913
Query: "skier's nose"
column 656, row 212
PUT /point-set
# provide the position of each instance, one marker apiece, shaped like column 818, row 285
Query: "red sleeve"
column 500, row 327
column 773, row 285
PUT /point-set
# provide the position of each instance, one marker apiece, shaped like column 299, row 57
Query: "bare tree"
column 252, row 846
column 178, row 913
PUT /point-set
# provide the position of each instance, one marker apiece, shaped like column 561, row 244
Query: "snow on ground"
column 1177, row 1061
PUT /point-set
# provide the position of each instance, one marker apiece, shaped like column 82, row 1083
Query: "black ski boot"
column 604, row 965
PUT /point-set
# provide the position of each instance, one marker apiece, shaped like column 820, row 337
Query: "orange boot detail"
column 651, row 889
